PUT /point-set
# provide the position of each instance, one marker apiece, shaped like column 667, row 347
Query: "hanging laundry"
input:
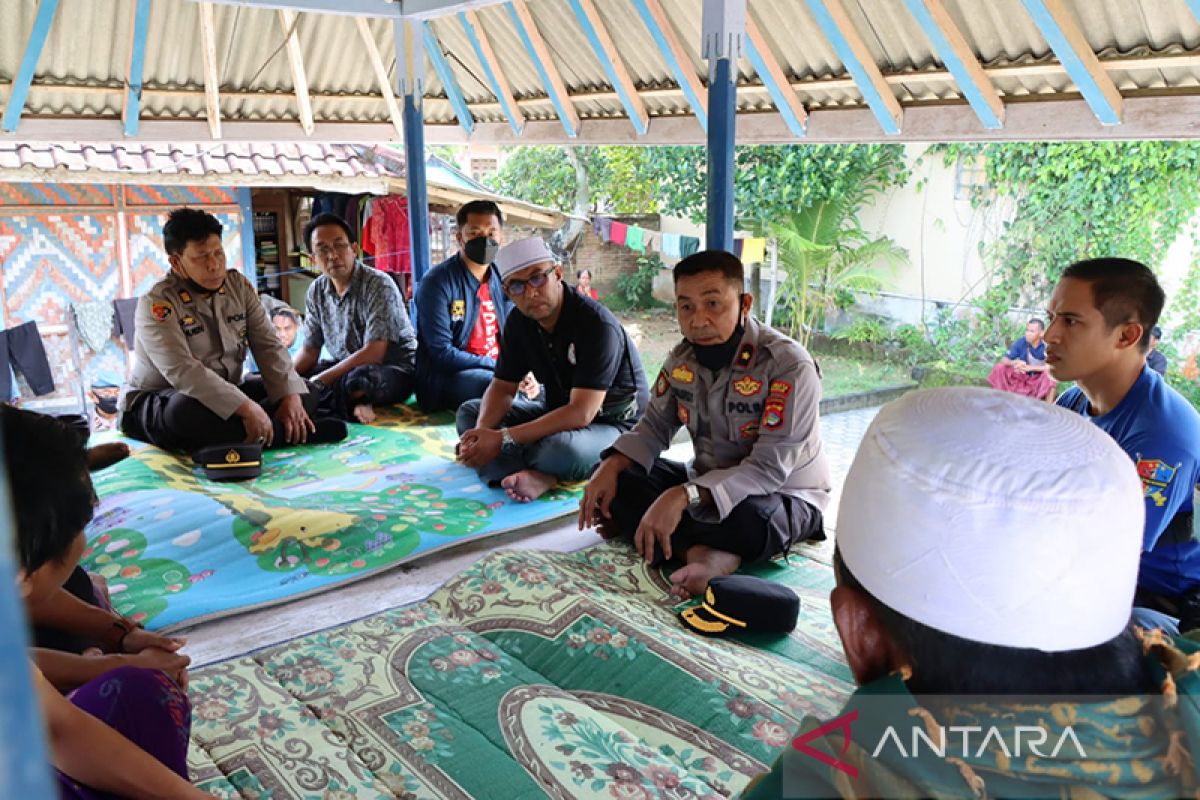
column 670, row 245
column 388, row 230
column 123, row 322
column 653, row 242
column 95, row 321
column 21, row 348
column 619, row 231
column 635, row 239
column 603, row 227
column 688, row 245
column 755, row 251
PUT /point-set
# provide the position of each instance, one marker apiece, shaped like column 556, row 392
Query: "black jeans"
column 376, row 384
column 759, row 528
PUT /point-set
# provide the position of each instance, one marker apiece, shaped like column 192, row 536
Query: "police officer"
column 749, row 397
column 192, row 332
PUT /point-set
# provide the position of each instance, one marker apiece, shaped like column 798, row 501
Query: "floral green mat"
column 531, row 674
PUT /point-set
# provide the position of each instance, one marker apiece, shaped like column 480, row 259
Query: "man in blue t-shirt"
column 1023, row 368
column 1102, row 313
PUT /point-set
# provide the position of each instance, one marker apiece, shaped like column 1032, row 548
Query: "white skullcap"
column 996, row 518
column 521, row 254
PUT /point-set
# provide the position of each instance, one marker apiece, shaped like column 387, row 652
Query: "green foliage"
column 616, row 176
column 864, row 329
column 826, row 255
column 1075, row 200
column 908, row 336
column 773, row 181
column 635, row 289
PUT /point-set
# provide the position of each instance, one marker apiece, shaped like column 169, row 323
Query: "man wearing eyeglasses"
column 595, row 389
column 356, row 313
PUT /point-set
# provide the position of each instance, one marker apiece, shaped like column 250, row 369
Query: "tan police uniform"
column 189, row 352
column 755, row 428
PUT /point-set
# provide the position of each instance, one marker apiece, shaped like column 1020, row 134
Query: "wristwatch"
column 693, row 494
column 508, row 445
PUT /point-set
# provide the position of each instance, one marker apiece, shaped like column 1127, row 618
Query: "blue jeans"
column 567, row 455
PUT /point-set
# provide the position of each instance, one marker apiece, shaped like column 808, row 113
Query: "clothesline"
column 751, row 250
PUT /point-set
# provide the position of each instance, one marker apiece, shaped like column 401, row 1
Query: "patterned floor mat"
column 178, row 549
column 531, row 674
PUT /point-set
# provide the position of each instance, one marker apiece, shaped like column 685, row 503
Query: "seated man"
column 1101, row 316
column 749, row 397
column 1154, row 358
column 461, row 311
column 957, row 575
column 193, row 328
column 356, row 312
column 576, row 348
column 124, row 732
column 1023, row 367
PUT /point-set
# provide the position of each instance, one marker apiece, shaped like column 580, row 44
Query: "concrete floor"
column 409, row 583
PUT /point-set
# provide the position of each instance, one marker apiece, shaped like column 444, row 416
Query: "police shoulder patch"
column 1156, row 476
column 749, row 430
column 161, row 310
column 745, row 355
column 185, row 295
column 661, row 385
column 685, row 416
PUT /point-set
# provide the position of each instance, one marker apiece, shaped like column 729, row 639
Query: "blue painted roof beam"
column 19, row 91
column 449, row 83
column 960, row 59
column 758, row 50
column 131, row 109
column 1077, row 57
column 539, row 53
column 835, row 23
column 606, row 52
column 491, row 69
column 675, row 56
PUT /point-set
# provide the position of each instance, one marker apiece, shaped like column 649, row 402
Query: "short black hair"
column 943, row 663
column 320, row 220
column 1156, row 332
column 49, row 485
column 579, row 273
column 1123, row 290
column 185, row 225
column 478, row 207
column 720, row 261
column 286, row 312
column 1037, row 321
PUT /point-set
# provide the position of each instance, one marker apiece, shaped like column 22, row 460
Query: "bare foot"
column 528, row 485
column 364, row 413
column 703, row 564
column 107, row 454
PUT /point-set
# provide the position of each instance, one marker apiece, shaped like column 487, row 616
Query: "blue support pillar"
column 19, row 90
column 137, row 64
column 249, row 256
column 724, row 27
column 410, row 69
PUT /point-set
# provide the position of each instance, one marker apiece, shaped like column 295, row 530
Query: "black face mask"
column 718, row 356
column 197, row 288
column 481, row 249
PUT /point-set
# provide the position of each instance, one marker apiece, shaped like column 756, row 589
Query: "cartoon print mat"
column 178, row 549
column 529, row 675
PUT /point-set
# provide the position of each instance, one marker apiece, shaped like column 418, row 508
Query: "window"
column 970, row 177
column 482, row 169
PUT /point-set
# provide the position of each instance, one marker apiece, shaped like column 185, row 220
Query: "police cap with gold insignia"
column 743, row 603
column 230, row 462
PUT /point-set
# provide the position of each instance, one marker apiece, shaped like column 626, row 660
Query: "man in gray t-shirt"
column 357, row 314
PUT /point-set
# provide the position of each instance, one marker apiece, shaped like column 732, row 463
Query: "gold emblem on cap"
column 708, row 596
column 233, row 457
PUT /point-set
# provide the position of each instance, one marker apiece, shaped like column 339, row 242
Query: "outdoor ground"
column 656, row 332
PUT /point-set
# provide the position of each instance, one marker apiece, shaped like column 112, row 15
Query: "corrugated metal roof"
column 83, row 67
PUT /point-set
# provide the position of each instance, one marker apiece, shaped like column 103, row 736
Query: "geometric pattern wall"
column 53, row 257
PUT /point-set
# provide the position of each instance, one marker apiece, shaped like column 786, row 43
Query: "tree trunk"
column 570, row 232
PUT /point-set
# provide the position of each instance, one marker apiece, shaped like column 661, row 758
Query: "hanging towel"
column 688, row 245
column 388, row 230
column 755, row 251
column 670, row 245
column 653, row 242
column 605, row 231
column 619, row 231
column 635, row 239
column 95, row 324
column 123, row 322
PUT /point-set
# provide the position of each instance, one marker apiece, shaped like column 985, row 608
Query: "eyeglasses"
column 517, row 288
column 324, row 251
